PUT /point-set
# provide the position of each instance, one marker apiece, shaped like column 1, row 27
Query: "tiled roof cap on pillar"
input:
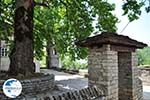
column 110, row 38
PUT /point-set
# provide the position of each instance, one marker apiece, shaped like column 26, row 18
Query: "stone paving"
column 146, row 92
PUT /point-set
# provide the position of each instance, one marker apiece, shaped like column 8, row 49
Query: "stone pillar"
column 125, row 75
column 103, row 70
column 112, row 65
column 137, row 89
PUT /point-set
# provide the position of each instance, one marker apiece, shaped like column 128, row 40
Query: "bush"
column 144, row 56
column 77, row 64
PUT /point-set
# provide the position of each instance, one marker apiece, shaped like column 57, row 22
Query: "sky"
column 138, row 29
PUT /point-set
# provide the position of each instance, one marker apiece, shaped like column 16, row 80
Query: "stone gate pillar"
column 103, row 70
column 112, row 65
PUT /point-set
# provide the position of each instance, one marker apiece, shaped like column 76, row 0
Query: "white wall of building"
column 5, row 62
column 4, row 65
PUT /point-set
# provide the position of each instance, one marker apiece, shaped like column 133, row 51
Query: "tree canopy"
column 62, row 22
column 144, row 56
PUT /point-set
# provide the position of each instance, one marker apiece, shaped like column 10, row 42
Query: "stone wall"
column 145, row 75
column 125, row 75
column 33, row 86
column 38, row 85
column 137, row 88
column 103, row 70
column 90, row 93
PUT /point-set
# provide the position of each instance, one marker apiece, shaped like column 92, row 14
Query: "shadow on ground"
column 73, row 84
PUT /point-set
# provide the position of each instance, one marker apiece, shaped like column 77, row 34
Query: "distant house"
column 54, row 60
column 4, row 61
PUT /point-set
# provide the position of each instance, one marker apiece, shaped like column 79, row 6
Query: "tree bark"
column 0, row 53
column 48, row 57
column 21, row 57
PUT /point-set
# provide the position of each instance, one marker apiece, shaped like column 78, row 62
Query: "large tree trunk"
column 21, row 57
column 48, row 57
column 0, row 54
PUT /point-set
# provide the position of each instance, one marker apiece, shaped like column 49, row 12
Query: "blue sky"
column 138, row 29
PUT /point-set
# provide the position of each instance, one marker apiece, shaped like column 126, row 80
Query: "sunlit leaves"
column 132, row 8
column 143, row 56
column 66, row 21
column 106, row 20
column 6, row 18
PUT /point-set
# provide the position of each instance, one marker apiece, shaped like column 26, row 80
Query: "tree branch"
column 6, row 25
column 41, row 4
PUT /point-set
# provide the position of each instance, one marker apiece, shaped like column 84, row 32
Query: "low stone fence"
column 90, row 93
column 38, row 85
column 33, row 86
column 145, row 75
column 145, row 71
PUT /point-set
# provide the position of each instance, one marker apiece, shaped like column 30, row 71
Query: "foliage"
column 132, row 8
column 144, row 56
column 67, row 63
column 62, row 23
column 6, row 18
